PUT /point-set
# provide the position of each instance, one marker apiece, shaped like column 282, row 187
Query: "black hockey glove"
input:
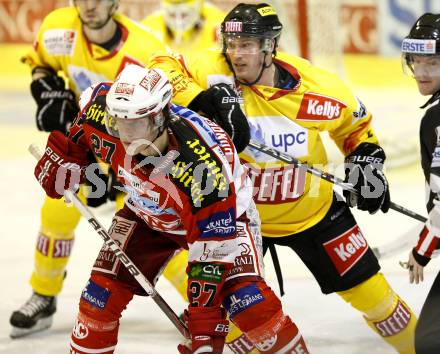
column 363, row 169
column 56, row 106
column 103, row 189
column 221, row 104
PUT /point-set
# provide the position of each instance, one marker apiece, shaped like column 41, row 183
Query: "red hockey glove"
column 62, row 165
column 208, row 328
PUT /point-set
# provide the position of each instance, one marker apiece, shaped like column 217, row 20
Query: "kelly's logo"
column 346, row 249
column 319, row 108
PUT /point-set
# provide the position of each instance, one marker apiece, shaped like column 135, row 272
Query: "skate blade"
column 41, row 325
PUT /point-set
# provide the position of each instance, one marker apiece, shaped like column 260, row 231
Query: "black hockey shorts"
column 334, row 250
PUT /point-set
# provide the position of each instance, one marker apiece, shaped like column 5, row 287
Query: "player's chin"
column 134, row 147
column 242, row 75
column 426, row 88
column 94, row 24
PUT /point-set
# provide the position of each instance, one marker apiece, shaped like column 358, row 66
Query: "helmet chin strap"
column 160, row 131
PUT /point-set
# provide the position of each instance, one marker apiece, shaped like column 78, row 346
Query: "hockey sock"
column 385, row 312
column 257, row 311
column 96, row 329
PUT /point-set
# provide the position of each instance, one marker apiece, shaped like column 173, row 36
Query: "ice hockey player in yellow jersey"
column 86, row 43
column 289, row 103
column 186, row 26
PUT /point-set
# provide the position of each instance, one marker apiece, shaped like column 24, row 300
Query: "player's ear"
column 114, row 7
column 272, row 45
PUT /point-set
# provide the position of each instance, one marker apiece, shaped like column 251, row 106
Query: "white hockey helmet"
column 137, row 100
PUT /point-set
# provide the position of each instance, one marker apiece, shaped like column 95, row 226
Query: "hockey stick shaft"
column 403, row 242
column 326, row 176
column 131, row 267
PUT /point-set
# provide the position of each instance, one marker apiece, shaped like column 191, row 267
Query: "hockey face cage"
column 181, row 16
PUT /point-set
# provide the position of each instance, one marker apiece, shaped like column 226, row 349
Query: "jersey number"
column 196, row 291
column 103, row 149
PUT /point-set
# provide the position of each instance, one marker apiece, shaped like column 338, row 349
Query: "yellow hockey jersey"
column 203, row 36
column 289, row 199
column 62, row 46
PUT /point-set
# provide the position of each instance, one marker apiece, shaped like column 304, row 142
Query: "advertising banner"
column 396, row 18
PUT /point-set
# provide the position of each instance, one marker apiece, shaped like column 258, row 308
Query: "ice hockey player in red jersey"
column 186, row 189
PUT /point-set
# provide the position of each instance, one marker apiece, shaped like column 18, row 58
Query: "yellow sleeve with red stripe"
column 355, row 126
column 185, row 89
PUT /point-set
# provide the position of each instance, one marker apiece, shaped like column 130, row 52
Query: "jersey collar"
column 99, row 53
column 259, row 90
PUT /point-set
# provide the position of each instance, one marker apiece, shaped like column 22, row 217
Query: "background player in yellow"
column 289, row 103
column 186, row 26
column 86, row 43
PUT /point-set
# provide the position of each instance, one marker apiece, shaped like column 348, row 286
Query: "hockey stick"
column 326, row 176
column 131, row 267
column 406, row 240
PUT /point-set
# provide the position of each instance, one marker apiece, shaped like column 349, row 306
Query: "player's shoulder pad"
column 202, row 159
column 92, row 105
column 321, row 81
column 211, row 12
column 64, row 17
column 132, row 25
column 431, row 119
column 197, row 122
column 91, row 92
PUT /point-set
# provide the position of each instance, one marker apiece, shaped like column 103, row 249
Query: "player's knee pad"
column 385, row 312
column 96, row 328
column 257, row 311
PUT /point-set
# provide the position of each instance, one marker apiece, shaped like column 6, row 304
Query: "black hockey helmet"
column 258, row 20
column 423, row 39
column 254, row 20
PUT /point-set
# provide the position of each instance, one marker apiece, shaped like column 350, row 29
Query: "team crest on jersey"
column 316, row 107
column 59, row 42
